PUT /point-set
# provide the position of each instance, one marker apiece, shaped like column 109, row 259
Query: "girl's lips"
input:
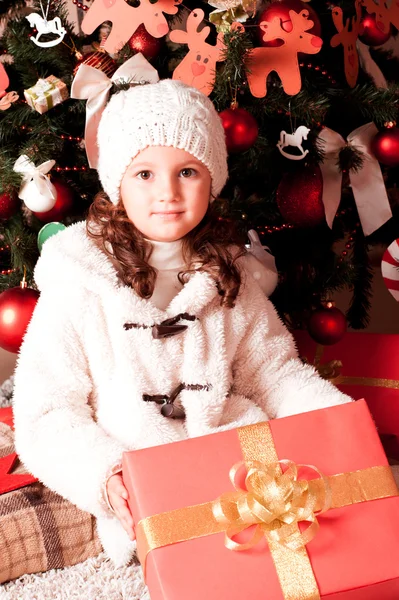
column 169, row 216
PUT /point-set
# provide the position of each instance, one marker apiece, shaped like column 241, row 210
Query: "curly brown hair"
column 214, row 246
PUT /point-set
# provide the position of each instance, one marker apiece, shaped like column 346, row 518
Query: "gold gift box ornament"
column 46, row 94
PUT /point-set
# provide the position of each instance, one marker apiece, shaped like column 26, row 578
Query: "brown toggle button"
column 169, row 327
column 169, row 409
column 164, row 331
column 172, row 412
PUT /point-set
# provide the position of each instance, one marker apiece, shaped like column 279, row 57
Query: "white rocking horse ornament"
column 43, row 26
column 294, row 139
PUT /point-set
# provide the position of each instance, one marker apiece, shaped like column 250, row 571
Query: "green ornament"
column 47, row 231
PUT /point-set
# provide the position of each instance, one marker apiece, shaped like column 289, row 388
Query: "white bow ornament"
column 94, row 86
column 36, row 190
column 367, row 183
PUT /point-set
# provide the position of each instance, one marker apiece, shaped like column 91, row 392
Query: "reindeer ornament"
column 126, row 19
column 4, row 81
column 198, row 67
column 282, row 59
column 384, row 14
column 348, row 39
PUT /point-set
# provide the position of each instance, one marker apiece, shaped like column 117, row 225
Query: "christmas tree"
column 308, row 97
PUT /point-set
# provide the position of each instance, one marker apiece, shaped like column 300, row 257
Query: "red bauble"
column 385, row 146
column 98, row 60
column 142, row 41
column 16, row 308
column 327, row 325
column 300, row 197
column 62, row 205
column 370, row 34
column 9, row 204
column 282, row 11
column 240, row 127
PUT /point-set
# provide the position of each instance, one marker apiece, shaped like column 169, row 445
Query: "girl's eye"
column 187, row 172
column 144, row 175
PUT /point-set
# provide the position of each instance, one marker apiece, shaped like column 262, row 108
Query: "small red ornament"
column 282, row 11
column 300, row 197
column 98, row 60
column 62, row 206
column 142, row 41
column 241, row 129
column 327, row 325
column 385, row 146
column 16, row 308
column 371, row 34
column 9, row 204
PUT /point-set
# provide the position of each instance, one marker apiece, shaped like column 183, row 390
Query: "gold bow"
column 272, row 500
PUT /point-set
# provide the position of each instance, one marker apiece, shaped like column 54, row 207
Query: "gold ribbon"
column 332, row 371
column 275, row 502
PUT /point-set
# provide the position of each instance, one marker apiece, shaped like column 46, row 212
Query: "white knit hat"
column 167, row 113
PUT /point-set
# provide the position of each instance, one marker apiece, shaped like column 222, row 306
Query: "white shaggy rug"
column 94, row 579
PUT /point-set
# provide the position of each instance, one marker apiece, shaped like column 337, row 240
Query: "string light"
column 70, row 138
column 80, row 5
column 318, row 68
column 60, row 169
column 6, row 271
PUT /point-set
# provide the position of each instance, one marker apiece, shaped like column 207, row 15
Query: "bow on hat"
column 367, row 183
column 93, row 85
column 36, row 188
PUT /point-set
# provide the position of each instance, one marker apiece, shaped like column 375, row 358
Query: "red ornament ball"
column 99, row 60
column 62, row 206
column 142, row 41
column 370, row 32
column 16, row 308
column 327, row 325
column 300, row 197
column 9, row 204
column 241, row 129
column 282, row 11
column 385, row 146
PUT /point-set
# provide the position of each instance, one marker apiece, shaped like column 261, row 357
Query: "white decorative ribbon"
column 93, row 85
column 36, row 188
column 265, row 257
column 367, row 183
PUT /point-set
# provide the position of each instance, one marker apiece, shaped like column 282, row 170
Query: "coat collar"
column 71, row 260
column 195, row 295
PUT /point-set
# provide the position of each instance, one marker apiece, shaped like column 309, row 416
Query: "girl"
column 150, row 327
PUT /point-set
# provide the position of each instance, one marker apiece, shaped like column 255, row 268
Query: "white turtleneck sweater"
column 167, row 259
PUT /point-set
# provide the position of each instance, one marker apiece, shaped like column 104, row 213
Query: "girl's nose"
column 169, row 189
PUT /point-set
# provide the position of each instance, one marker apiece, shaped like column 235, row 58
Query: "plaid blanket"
column 40, row 530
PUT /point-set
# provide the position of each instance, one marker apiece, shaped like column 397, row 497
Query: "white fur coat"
column 89, row 357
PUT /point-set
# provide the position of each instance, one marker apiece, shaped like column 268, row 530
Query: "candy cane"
column 390, row 268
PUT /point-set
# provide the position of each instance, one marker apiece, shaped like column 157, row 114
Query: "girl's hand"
column 118, row 495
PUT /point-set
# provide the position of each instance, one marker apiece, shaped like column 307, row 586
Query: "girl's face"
column 165, row 192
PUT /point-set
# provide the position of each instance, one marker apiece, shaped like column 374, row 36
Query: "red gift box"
column 370, row 370
column 11, row 481
column 7, row 417
column 354, row 554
